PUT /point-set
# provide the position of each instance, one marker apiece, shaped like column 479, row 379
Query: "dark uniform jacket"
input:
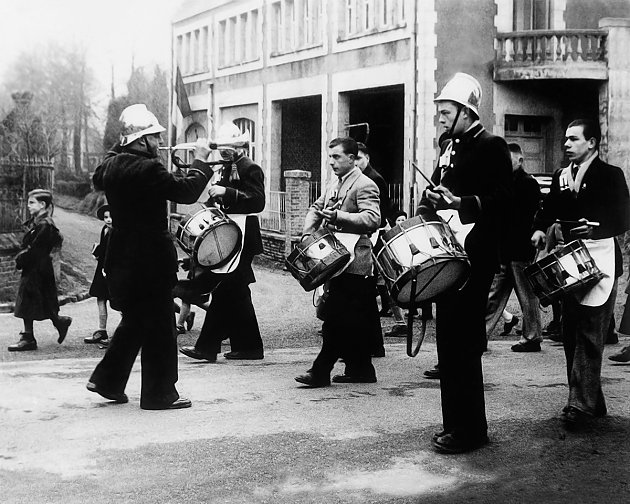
column 518, row 229
column 141, row 250
column 480, row 172
column 37, row 291
column 603, row 198
column 383, row 190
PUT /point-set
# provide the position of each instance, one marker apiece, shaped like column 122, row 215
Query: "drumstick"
column 431, row 184
column 577, row 223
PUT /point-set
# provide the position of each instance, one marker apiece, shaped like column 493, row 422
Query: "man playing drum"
column 590, row 199
column 473, row 178
column 231, row 314
column 350, row 208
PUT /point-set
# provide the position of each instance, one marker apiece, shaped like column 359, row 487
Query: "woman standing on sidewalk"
column 37, row 291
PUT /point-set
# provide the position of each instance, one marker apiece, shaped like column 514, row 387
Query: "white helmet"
column 227, row 131
column 463, row 89
column 137, row 121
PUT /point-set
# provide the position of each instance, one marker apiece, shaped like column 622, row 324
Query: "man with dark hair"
column 517, row 254
column 349, row 207
column 472, row 182
column 590, row 198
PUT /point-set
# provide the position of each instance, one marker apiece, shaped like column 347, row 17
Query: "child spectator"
column 37, row 290
column 98, row 289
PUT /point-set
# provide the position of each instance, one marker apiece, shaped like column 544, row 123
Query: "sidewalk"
column 253, row 435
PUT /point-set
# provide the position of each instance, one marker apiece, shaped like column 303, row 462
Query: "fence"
column 273, row 217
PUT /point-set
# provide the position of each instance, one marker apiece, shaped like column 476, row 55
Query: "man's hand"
column 202, row 151
column 216, row 191
column 584, row 231
column 328, row 214
column 539, row 240
column 442, row 198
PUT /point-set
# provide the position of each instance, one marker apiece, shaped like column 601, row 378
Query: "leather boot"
column 27, row 342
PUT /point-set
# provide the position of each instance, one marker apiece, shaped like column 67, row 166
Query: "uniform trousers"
column 584, row 330
column 230, row 315
column 461, row 337
column 147, row 323
column 512, row 276
column 347, row 326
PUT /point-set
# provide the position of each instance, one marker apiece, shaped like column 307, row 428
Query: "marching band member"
column 350, row 207
column 231, row 314
column 587, row 192
column 473, row 178
column 141, row 261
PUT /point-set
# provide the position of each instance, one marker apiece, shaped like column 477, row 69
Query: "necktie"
column 575, row 170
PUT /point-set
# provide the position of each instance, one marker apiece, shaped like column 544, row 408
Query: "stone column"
column 615, row 110
column 296, row 204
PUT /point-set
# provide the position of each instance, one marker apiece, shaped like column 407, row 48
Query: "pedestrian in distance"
column 98, row 288
column 37, row 291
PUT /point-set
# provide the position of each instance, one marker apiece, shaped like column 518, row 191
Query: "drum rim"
column 230, row 256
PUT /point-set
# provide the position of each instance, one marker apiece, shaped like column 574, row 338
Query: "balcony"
column 551, row 54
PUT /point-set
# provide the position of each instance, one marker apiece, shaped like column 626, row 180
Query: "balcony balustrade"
column 551, row 54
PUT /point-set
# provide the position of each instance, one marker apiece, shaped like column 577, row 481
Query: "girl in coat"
column 98, row 289
column 37, row 290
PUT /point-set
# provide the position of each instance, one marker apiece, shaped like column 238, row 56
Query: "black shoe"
column 180, row 403
column 575, row 418
column 191, row 351
column 433, row 373
column 104, row 344
column 245, row 355
column 62, row 328
column 508, row 326
column 527, row 346
column 399, row 330
column 27, row 342
column 452, row 443
column 311, row 381
column 612, row 339
column 557, row 337
column 190, row 320
column 343, row 378
column 622, row 355
column 180, row 329
column 385, row 312
column 552, row 327
column 378, row 353
column 98, row 337
column 117, row 397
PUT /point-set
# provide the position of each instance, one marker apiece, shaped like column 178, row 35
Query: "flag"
column 180, row 106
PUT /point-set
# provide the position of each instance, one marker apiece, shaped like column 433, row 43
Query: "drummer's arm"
column 313, row 219
column 368, row 217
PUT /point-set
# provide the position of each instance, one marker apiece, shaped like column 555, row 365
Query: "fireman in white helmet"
column 141, row 262
column 471, row 189
column 240, row 193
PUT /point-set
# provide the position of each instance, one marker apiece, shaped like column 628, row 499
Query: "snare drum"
column 210, row 237
column 569, row 270
column 425, row 250
column 317, row 258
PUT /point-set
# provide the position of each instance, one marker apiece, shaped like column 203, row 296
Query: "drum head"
column 433, row 279
column 218, row 245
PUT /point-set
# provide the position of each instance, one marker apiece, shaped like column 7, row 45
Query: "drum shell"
column 316, row 259
column 568, row 270
column 425, row 250
column 210, row 237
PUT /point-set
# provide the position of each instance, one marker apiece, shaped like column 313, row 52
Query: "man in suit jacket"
column 350, row 205
column 473, row 177
column 594, row 196
column 231, row 314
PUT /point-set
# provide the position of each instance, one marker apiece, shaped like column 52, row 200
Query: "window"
column 295, row 25
column 532, row 15
column 238, row 39
column 367, row 16
column 247, row 125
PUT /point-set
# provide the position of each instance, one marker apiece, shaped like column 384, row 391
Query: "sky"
column 112, row 32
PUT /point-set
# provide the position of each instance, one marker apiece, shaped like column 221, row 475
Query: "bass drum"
column 210, row 237
column 424, row 249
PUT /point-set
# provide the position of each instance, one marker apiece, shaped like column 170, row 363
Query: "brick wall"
column 274, row 245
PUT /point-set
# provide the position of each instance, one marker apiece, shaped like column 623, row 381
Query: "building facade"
column 297, row 73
